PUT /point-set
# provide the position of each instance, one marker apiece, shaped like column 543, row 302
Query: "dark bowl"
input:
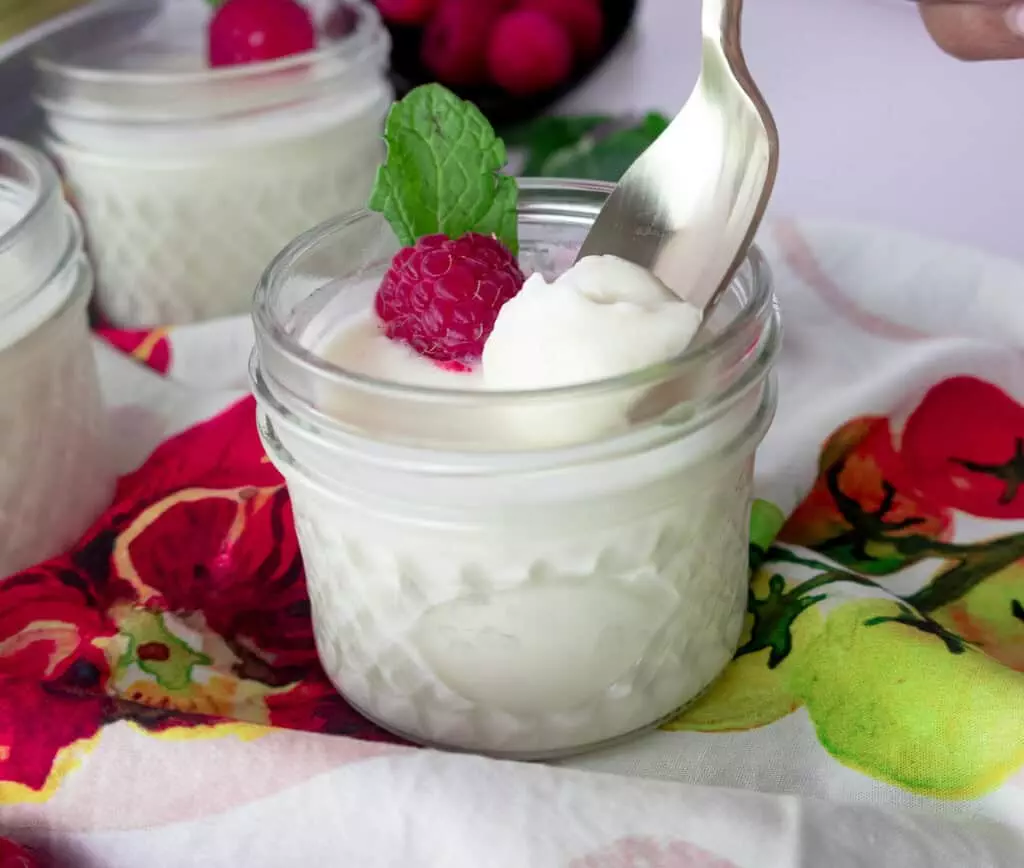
column 501, row 109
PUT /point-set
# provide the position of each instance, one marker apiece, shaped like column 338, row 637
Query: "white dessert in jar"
column 55, row 474
column 601, row 318
column 477, row 589
column 190, row 179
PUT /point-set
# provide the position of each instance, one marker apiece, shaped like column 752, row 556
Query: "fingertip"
column 973, row 33
column 1014, row 18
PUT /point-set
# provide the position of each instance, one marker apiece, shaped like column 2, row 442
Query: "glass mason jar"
column 189, row 179
column 55, row 474
column 488, row 572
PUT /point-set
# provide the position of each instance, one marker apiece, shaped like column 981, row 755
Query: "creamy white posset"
column 55, row 474
column 602, row 318
column 519, row 612
column 181, row 227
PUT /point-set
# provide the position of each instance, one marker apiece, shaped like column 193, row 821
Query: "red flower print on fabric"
column 637, row 852
column 184, row 605
column 149, row 346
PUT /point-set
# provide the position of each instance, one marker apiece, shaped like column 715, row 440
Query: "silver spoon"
column 689, row 206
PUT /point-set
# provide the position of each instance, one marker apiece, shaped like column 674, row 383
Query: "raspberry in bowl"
column 525, row 533
column 512, row 58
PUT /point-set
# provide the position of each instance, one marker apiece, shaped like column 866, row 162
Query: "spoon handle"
column 720, row 29
column 720, row 23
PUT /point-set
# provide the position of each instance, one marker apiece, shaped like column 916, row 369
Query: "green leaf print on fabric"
column 775, row 613
column 751, row 692
column 155, row 650
column 766, row 520
column 909, row 618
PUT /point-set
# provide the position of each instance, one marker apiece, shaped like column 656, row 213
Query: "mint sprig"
column 589, row 146
column 441, row 175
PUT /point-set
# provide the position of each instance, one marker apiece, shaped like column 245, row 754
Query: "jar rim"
column 40, row 180
column 688, row 363
column 39, row 247
column 367, row 29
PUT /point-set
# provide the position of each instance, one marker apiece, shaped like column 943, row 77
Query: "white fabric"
column 870, row 318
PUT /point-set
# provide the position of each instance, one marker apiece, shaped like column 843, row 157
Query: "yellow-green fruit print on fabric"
column 752, row 691
column 991, row 615
column 903, row 643
column 896, row 699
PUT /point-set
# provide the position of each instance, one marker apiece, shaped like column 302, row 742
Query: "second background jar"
column 189, row 179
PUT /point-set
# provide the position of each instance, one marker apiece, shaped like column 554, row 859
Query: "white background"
column 875, row 122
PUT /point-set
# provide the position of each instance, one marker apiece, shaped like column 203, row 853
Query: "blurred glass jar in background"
column 189, row 178
column 55, row 473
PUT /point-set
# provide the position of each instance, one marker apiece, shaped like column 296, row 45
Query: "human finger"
column 976, row 29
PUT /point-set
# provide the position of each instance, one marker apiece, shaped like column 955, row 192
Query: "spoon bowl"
column 688, row 207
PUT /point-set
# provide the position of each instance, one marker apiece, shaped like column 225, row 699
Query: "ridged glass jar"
column 55, row 473
column 189, row 179
column 487, row 573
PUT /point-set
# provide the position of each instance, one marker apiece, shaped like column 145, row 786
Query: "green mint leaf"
column 502, row 219
column 545, row 136
column 442, row 169
column 603, row 152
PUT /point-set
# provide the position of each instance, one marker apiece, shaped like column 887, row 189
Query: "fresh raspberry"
column 454, row 46
column 408, row 12
column 529, row 52
column 583, row 19
column 252, row 31
column 442, row 297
